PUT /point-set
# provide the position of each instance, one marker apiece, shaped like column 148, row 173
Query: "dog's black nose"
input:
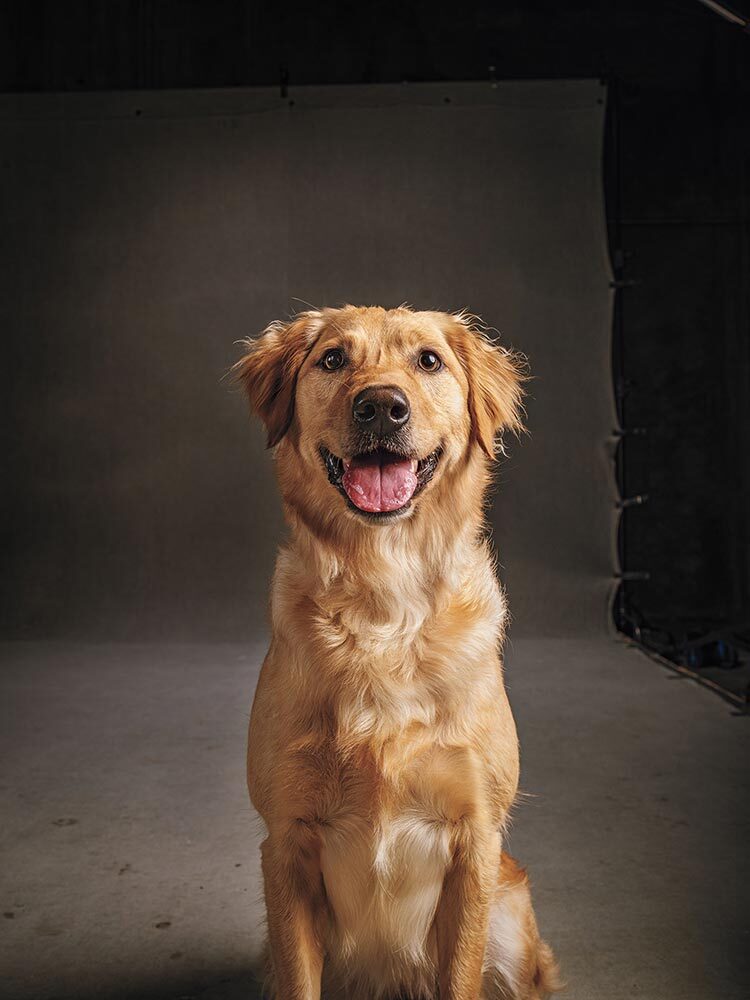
column 381, row 409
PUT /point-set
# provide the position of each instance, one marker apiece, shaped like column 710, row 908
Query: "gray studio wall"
column 144, row 234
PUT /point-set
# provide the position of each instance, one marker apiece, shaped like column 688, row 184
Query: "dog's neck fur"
column 386, row 607
column 396, row 574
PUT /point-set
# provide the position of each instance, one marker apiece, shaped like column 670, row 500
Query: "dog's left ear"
column 268, row 370
column 495, row 377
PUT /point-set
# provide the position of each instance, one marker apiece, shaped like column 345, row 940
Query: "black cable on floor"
column 734, row 699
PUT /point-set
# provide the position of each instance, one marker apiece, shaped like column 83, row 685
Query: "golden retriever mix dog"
column 383, row 755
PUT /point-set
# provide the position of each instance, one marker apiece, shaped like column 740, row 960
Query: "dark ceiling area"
column 676, row 172
column 672, row 45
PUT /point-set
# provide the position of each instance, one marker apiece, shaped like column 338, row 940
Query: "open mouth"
column 380, row 482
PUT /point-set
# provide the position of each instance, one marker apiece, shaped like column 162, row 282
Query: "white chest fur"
column 383, row 887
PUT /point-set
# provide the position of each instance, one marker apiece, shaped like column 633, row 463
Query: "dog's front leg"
column 462, row 917
column 295, row 908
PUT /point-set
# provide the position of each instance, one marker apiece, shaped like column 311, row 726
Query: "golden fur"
column 382, row 751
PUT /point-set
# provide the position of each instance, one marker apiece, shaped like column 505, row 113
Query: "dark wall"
column 682, row 351
column 141, row 501
column 676, row 170
column 667, row 45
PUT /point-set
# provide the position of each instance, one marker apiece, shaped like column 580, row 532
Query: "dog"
column 382, row 752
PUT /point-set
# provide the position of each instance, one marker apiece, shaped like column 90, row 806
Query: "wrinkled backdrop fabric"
column 146, row 233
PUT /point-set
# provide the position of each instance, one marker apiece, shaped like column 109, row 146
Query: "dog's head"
column 373, row 408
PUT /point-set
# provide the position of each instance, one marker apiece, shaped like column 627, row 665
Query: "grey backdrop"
column 144, row 233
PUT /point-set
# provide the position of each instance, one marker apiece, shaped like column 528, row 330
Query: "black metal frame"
column 685, row 654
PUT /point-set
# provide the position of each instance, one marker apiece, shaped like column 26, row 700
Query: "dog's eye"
column 332, row 360
column 430, row 362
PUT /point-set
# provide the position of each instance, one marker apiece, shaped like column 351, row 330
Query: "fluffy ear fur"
column 496, row 378
column 268, row 371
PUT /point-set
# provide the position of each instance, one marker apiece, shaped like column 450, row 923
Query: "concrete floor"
column 130, row 864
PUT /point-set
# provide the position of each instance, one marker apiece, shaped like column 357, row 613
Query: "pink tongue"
column 376, row 484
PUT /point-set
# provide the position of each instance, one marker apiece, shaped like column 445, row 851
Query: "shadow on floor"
column 197, row 987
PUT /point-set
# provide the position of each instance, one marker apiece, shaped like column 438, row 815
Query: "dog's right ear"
column 269, row 368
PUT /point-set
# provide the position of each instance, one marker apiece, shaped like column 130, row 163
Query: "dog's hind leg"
column 518, row 964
